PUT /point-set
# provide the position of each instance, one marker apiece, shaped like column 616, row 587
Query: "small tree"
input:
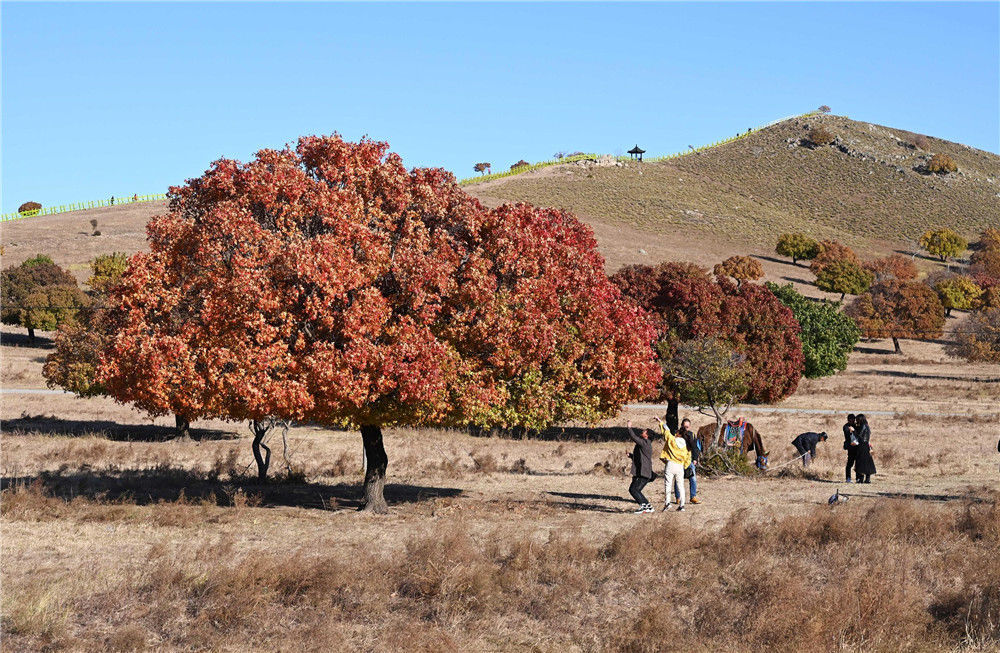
column 520, row 164
column 828, row 336
column 741, row 268
column 985, row 264
column 943, row 243
column 29, row 207
column 711, row 376
column 797, row 247
column 482, row 168
column 960, row 292
column 821, row 136
column 979, row 341
column 989, row 240
column 38, row 294
column 830, row 251
column 824, row 109
column 844, row 277
column 942, row 164
column 893, row 266
column 106, row 270
column 898, row 309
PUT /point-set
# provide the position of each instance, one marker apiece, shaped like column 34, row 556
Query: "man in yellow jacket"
column 676, row 455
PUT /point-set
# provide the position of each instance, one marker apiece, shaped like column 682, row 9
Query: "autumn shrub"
column 520, row 164
column 898, row 309
column 830, row 251
column 922, row 142
column 941, row 164
column 38, row 294
column 797, row 247
column 821, row 136
column 989, row 240
column 985, row 263
column 741, row 268
column 959, row 291
column 893, row 266
column 979, row 340
column 28, row 207
column 943, row 243
column 845, row 277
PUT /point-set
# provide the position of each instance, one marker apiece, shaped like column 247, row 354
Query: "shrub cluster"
column 942, row 164
column 29, row 206
column 821, row 136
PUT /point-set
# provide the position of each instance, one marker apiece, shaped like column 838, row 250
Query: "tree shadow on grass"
column 8, row 339
column 150, row 486
column 774, row 259
column 50, row 425
column 564, row 434
column 804, row 282
column 935, row 377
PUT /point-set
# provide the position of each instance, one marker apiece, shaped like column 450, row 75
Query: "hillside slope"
column 867, row 184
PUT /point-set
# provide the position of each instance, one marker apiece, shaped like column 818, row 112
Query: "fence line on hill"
column 114, row 200
column 666, row 157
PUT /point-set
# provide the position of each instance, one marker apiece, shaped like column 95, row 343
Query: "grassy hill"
column 868, row 184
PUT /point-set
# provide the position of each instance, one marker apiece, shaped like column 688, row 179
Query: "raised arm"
column 632, row 434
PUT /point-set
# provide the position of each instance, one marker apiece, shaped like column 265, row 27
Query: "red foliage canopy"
column 325, row 282
column 686, row 303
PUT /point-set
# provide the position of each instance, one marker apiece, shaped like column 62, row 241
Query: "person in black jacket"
column 642, row 468
column 865, row 465
column 850, row 446
column 805, row 444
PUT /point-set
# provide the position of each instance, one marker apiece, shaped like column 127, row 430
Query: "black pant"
column 852, row 457
column 635, row 489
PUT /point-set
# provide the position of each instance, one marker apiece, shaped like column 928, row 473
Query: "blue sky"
column 102, row 99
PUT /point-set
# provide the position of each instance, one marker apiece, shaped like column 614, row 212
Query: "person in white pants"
column 676, row 456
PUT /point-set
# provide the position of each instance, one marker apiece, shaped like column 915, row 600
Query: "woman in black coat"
column 864, row 465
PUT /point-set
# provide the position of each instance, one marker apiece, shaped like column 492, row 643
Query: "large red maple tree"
column 325, row 282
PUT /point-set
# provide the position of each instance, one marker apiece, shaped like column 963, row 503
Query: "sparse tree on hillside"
column 38, row 294
column 741, row 268
column 29, row 207
column 520, row 164
column 985, row 266
column 824, row 109
column 828, row 336
column 482, row 168
column 797, row 247
column 898, row 309
column 959, row 291
column 686, row 305
column 830, row 251
column 713, row 375
column 943, row 243
column 381, row 297
column 942, row 164
column 979, row 341
column 893, row 266
column 922, row 142
column 820, row 136
column 844, row 277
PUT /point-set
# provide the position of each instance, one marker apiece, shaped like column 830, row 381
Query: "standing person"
column 694, row 447
column 850, row 446
column 865, row 465
column 676, row 456
column 805, row 444
column 642, row 468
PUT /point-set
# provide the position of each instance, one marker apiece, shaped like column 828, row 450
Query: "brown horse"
column 751, row 441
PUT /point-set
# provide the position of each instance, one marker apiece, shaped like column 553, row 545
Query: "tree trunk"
column 260, row 430
column 895, row 342
column 672, row 419
column 842, row 295
column 31, row 334
column 374, row 501
column 182, row 427
column 947, row 312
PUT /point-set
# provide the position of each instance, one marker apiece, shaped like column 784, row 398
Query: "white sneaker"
column 649, row 508
column 680, row 509
column 666, row 508
column 640, row 511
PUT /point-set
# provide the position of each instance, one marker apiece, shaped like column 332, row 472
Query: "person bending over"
column 805, row 444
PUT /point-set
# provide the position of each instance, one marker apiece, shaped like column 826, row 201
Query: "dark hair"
column 861, row 420
column 851, row 417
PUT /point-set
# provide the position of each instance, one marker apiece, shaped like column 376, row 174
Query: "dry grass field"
column 116, row 537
